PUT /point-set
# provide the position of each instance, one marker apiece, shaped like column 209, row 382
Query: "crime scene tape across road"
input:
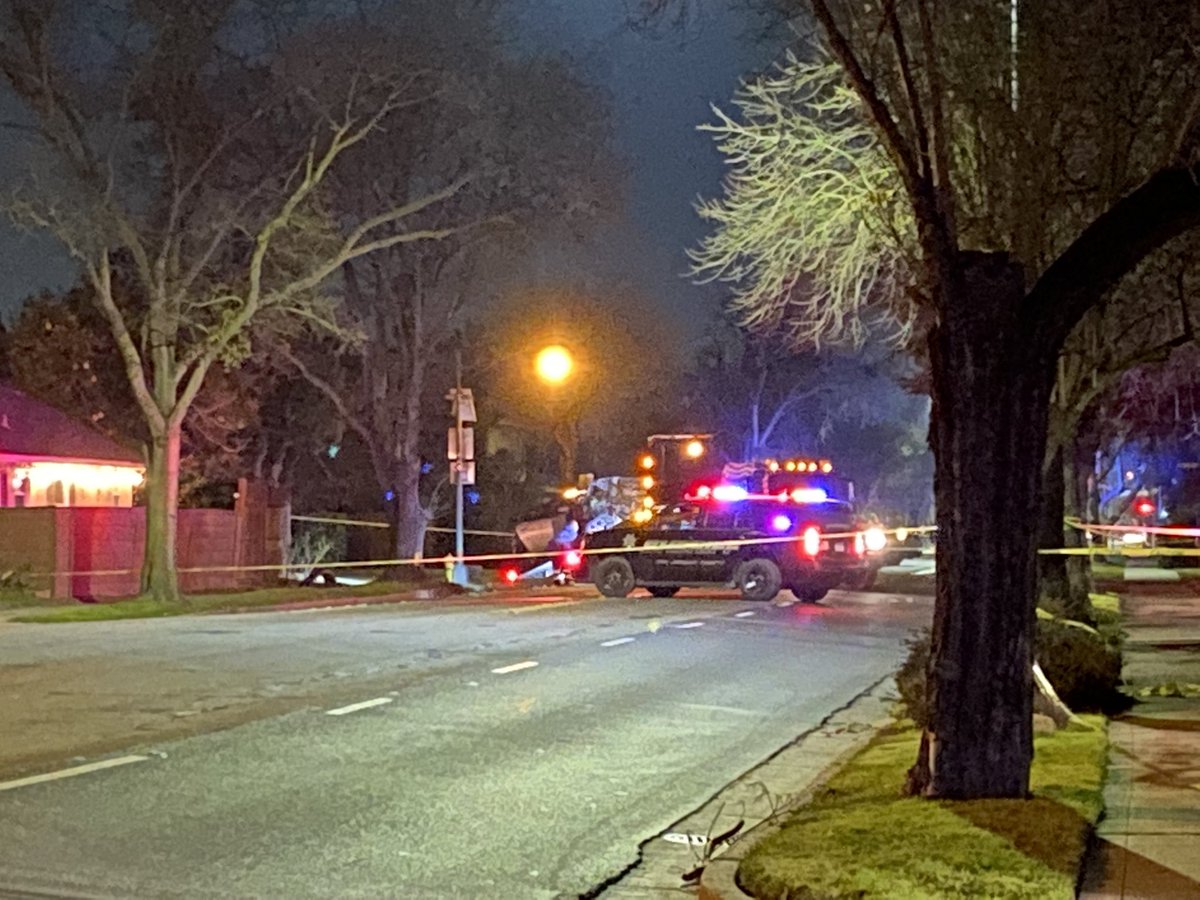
column 1131, row 550
column 1125, row 550
column 479, row 557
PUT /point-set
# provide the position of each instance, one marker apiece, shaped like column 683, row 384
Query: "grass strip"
column 139, row 608
column 18, row 598
column 860, row 838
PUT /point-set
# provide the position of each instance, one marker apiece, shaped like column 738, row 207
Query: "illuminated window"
column 54, row 493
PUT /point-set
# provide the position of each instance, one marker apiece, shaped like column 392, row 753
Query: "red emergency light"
column 1144, row 508
column 510, row 575
column 811, row 541
column 572, row 559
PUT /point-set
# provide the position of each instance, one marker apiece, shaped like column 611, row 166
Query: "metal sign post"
column 460, row 452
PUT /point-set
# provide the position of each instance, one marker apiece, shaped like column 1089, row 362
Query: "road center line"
column 355, row 707
column 536, row 605
column 743, row 614
column 729, row 710
column 618, row 641
column 71, row 772
column 688, row 625
column 515, row 667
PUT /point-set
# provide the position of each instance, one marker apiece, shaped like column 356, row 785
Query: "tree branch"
column 894, row 140
column 101, row 279
column 1165, row 205
column 333, row 395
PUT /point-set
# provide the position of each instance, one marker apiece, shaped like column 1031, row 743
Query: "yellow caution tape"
column 476, row 558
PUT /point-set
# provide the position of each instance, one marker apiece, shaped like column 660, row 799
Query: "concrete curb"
column 759, row 799
column 719, row 879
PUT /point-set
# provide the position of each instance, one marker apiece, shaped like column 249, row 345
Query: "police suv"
column 800, row 540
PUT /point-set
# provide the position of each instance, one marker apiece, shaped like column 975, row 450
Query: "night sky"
column 661, row 87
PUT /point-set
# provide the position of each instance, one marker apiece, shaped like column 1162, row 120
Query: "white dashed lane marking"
column 355, row 707
column 615, row 642
column 689, row 625
column 72, row 772
column 743, row 614
column 515, row 667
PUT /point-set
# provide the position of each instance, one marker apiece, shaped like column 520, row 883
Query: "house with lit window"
column 49, row 459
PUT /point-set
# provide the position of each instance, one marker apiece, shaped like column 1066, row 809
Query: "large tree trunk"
column 1053, row 584
column 990, row 404
column 409, row 512
column 1078, row 603
column 160, row 580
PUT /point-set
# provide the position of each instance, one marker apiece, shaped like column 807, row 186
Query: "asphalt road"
column 514, row 750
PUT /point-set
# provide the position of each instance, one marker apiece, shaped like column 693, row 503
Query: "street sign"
column 452, row 443
column 462, row 472
column 466, row 399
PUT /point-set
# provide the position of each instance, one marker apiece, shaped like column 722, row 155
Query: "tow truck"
column 759, row 529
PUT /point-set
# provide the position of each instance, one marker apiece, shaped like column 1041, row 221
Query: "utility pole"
column 460, row 568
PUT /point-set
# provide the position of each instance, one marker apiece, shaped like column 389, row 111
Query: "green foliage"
column 16, row 589
column 1083, row 665
column 860, row 839
column 911, row 678
column 814, row 233
column 314, row 543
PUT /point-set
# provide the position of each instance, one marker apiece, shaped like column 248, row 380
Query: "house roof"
column 29, row 427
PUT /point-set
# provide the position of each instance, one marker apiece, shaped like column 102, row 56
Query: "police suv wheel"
column 759, row 580
column 669, row 590
column 613, row 577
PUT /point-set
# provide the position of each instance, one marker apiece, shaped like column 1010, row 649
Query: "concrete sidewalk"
column 1150, row 838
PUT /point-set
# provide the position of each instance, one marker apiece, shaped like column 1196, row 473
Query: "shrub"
column 910, row 679
column 1083, row 664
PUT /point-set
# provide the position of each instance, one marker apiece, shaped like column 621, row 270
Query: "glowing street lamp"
column 693, row 449
column 554, row 364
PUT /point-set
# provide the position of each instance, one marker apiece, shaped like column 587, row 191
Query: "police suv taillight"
column 810, row 541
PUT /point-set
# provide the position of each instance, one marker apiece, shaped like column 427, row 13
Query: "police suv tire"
column 759, row 580
column 810, row 593
column 668, row 590
column 613, row 577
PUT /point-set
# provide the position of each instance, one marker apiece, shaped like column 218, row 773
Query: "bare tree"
column 534, row 140
column 765, row 400
column 1006, row 193
column 210, row 171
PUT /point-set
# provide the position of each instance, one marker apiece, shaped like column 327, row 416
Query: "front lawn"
column 220, row 602
column 860, row 838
